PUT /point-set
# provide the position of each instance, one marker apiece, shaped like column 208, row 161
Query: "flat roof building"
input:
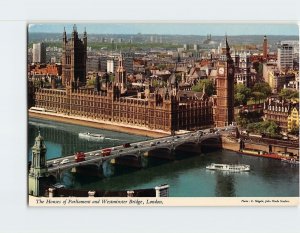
column 39, row 53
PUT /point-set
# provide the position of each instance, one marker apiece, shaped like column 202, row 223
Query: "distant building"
column 295, row 44
column 39, row 53
column 278, row 80
column 285, row 56
column 110, row 65
column 45, row 69
column 53, row 60
column 243, row 68
column 103, row 63
column 265, row 48
column 293, row 118
column 268, row 67
column 128, row 62
column 93, row 64
column 113, row 61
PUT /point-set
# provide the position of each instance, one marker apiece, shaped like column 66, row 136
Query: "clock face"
column 221, row 70
column 230, row 70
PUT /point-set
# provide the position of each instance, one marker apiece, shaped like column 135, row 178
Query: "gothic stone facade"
column 74, row 59
column 159, row 111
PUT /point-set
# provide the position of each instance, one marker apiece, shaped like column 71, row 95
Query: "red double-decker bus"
column 105, row 152
column 79, row 156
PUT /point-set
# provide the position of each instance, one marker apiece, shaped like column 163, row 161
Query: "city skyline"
column 216, row 29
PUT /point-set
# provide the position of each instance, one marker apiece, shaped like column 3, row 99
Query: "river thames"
column 186, row 175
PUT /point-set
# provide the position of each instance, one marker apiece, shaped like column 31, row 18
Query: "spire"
column 74, row 31
column 84, row 34
column 227, row 46
column 64, row 35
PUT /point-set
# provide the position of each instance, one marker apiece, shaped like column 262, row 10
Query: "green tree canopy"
column 239, row 99
column 262, row 87
column 245, row 118
column 288, row 94
column 268, row 127
column 91, row 82
column 258, row 96
column 241, row 94
column 209, row 86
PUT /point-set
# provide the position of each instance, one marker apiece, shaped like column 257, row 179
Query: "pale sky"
column 171, row 28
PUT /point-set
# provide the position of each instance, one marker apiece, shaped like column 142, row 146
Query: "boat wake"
column 112, row 139
column 42, row 125
column 91, row 136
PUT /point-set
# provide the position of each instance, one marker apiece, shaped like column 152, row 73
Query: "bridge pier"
column 108, row 168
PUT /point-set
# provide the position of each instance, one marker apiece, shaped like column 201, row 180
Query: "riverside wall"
column 97, row 124
column 233, row 144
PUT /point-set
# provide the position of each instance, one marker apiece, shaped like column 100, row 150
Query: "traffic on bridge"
column 104, row 154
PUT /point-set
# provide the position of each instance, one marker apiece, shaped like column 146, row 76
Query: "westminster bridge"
column 136, row 154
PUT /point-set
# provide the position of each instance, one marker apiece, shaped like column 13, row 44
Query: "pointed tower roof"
column 84, row 34
column 39, row 142
column 74, row 28
column 227, row 45
column 64, row 34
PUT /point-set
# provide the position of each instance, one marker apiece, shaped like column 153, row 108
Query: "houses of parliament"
column 168, row 109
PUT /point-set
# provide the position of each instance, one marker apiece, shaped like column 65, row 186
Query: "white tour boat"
column 229, row 167
column 91, row 136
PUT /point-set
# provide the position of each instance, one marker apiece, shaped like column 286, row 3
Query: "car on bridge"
column 64, row 161
column 126, row 145
column 55, row 162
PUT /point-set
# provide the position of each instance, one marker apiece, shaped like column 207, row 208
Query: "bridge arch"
column 211, row 143
column 185, row 143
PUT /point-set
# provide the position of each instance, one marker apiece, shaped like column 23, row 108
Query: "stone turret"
column 38, row 167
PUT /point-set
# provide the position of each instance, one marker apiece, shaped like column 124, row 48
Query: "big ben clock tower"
column 224, row 114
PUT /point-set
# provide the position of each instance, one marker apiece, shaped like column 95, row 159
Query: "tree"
column 258, row 96
column 246, row 118
column 91, row 82
column 262, row 87
column 288, row 94
column 259, row 69
column 241, row 94
column 209, row 86
column 272, row 129
column 268, row 127
column 239, row 99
